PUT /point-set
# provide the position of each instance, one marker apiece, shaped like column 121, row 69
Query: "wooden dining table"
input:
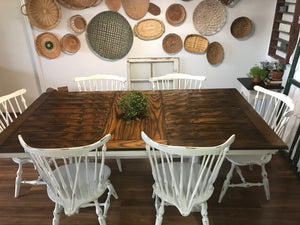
column 205, row 117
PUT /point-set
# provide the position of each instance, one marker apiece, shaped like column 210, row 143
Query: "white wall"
column 16, row 55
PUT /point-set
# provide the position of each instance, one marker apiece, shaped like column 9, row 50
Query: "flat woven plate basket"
column 214, row 53
column 48, row 45
column 79, row 4
column 136, row 9
column 209, row 17
column 149, row 29
column 70, row 43
column 172, row 43
column 195, row 43
column 241, row 27
column 78, row 24
column 113, row 5
column 109, row 35
column 43, row 14
column 154, row 9
column 175, row 14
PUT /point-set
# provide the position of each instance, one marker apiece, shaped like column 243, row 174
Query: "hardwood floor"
column 135, row 206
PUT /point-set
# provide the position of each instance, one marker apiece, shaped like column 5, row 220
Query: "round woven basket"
column 172, row 43
column 47, row 45
column 149, row 29
column 154, row 9
column 175, row 14
column 79, row 4
column 214, row 53
column 43, row 14
column 195, row 43
column 78, row 24
column 70, row 43
column 109, row 35
column 136, row 9
column 209, row 17
column 113, row 5
column 241, row 27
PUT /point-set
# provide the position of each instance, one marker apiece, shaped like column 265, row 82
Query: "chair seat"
column 242, row 160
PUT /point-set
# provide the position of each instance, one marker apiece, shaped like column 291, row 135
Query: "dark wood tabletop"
column 204, row 117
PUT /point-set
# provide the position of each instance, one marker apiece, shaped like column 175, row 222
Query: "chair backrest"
column 174, row 81
column 184, row 176
column 274, row 107
column 11, row 106
column 73, row 175
column 101, row 82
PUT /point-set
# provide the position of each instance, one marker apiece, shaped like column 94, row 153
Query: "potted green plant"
column 133, row 105
column 257, row 74
column 278, row 70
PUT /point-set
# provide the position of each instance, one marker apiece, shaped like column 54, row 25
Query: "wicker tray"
column 136, row 9
column 109, row 35
column 149, row 29
column 47, row 45
column 195, row 43
column 70, row 43
column 113, row 5
column 79, row 4
column 241, row 27
column 154, row 9
column 214, row 53
column 43, row 14
column 209, row 17
column 175, row 14
column 172, row 43
column 78, row 24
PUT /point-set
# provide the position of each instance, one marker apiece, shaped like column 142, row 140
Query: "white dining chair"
column 73, row 180
column 11, row 106
column 175, row 81
column 102, row 82
column 184, row 176
column 276, row 109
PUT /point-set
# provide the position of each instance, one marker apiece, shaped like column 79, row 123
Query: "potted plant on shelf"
column 277, row 71
column 133, row 105
column 257, row 73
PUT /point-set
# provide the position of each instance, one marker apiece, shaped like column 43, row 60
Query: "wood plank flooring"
column 136, row 207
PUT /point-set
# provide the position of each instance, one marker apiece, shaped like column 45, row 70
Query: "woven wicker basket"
column 241, row 27
column 214, row 53
column 136, row 9
column 70, row 43
column 175, row 14
column 195, row 43
column 113, row 5
column 154, row 9
column 43, row 14
column 209, row 17
column 79, row 4
column 47, row 45
column 149, row 29
column 172, row 43
column 78, row 24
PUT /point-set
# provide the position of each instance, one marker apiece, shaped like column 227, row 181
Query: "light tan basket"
column 149, row 29
column 43, row 14
column 172, row 43
column 241, row 27
column 70, row 43
column 175, row 14
column 136, row 9
column 47, row 45
column 113, row 5
column 79, row 4
column 195, row 43
column 78, row 24
column 214, row 53
column 209, row 17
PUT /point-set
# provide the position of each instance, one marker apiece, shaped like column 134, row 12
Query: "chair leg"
column 111, row 191
column 205, row 220
column 119, row 164
column 226, row 183
column 101, row 219
column 160, row 213
column 56, row 214
column 265, row 181
column 239, row 171
column 18, row 178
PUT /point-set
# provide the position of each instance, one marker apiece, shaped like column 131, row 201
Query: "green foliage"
column 274, row 65
column 279, row 66
column 257, row 71
column 134, row 106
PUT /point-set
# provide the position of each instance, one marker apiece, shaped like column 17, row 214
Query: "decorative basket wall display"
column 113, row 5
column 43, row 14
column 78, row 24
column 109, row 35
column 70, row 43
column 149, row 29
column 241, row 27
column 209, row 17
column 79, row 4
column 172, row 43
column 214, row 53
column 195, row 43
column 136, row 9
column 48, row 45
column 175, row 14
